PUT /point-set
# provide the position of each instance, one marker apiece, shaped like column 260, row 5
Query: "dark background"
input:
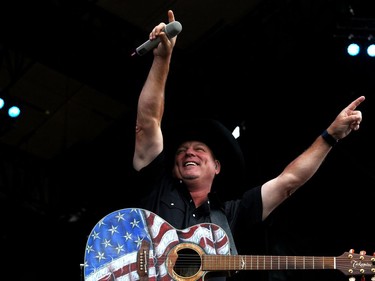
column 278, row 69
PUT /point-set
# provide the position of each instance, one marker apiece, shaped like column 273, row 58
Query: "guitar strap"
column 218, row 217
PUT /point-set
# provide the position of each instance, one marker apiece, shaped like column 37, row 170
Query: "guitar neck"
column 255, row 262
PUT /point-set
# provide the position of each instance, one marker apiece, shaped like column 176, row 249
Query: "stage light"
column 371, row 50
column 361, row 46
column 8, row 109
column 236, row 132
column 353, row 49
column 357, row 34
column 14, row 111
column 358, row 49
column 8, row 116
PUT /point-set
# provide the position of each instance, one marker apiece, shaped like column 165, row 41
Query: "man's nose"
column 190, row 151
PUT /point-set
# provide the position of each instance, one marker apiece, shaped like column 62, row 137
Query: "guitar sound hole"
column 188, row 263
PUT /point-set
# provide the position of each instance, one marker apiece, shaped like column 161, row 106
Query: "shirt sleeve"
column 149, row 177
column 249, row 208
column 245, row 219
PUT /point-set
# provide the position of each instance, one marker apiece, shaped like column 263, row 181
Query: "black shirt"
column 169, row 199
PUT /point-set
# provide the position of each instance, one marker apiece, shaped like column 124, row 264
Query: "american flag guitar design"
column 136, row 244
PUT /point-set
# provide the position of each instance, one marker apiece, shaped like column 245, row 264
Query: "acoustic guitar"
column 136, row 244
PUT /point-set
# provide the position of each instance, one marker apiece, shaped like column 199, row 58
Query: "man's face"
column 195, row 160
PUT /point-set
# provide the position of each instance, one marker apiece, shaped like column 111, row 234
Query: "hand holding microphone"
column 172, row 29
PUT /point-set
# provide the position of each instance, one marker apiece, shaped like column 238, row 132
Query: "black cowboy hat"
column 221, row 141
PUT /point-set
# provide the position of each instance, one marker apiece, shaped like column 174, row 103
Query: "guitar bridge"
column 142, row 261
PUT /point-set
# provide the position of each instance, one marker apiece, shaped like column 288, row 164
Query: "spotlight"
column 14, row 111
column 353, row 49
column 371, row 50
column 236, row 132
column 9, row 109
column 358, row 34
column 358, row 44
column 370, row 46
column 9, row 114
column 8, row 117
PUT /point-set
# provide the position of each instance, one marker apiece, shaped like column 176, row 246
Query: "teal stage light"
column 14, row 111
column 10, row 110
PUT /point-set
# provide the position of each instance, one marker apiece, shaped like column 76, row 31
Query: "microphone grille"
column 173, row 28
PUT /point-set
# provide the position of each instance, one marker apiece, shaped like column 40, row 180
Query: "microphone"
column 171, row 30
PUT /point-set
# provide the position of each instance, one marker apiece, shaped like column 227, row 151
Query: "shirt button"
column 172, row 204
column 194, row 215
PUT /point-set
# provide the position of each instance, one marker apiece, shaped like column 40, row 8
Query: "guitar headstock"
column 351, row 263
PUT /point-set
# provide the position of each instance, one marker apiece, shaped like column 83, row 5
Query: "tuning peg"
column 362, row 253
column 351, row 252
